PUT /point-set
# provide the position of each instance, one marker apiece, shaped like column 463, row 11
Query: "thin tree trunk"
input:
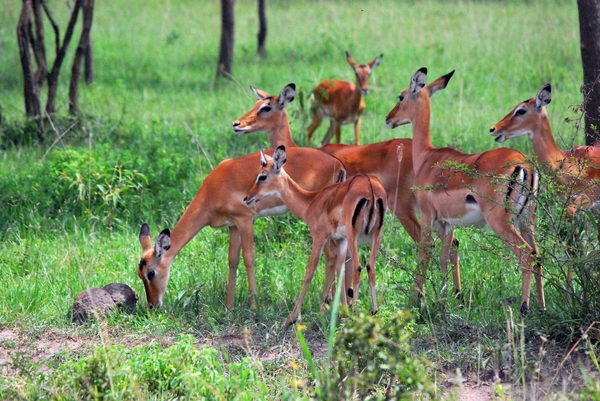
column 88, row 66
column 262, row 30
column 38, row 45
column 31, row 90
column 227, row 39
column 589, row 31
column 60, row 56
column 87, row 9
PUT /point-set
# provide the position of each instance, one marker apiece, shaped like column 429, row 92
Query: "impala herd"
column 342, row 192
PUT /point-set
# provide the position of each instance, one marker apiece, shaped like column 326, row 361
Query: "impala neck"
column 281, row 134
column 190, row 223
column 421, row 135
column 295, row 197
column 544, row 145
column 356, row 95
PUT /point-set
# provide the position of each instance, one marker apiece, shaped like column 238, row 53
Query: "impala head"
column 266, row 183
column 410, row 98
column 153, row 270
column 363, row 71
column 259, row 118
column 525, row 118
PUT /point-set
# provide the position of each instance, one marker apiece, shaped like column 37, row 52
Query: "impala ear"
column 260, row 94
column 163, row 243
column 544, row 97
column 279, row 159
column 376, row 61
column 418, row 81
column 439, row 83
column 350, row 59
column 287, row 95
column 145, row 240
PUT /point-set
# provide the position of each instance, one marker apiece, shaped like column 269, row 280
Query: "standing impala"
column 578, row 170
column 340, row 212
column 219, row 203
column 341, row 101
column 492, row 188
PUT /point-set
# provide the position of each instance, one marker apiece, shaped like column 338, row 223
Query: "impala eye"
column 401, row 97
column 261, row 178
column 266, row 108
column 520, row 112
column 150, row 274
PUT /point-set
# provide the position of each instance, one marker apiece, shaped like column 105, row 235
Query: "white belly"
column 473, row 217
column 274, row 211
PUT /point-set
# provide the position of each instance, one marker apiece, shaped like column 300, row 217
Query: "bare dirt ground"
column 558, row 378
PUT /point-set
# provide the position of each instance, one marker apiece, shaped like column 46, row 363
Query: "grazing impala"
column 492, row 188
column 340, row 212
column 578, row 169
column 341, row 101
column 219, row 203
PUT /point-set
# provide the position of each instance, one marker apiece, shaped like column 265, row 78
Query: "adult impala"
column 341, row 101
column 219, row 203
column 577, row 170
column 340, row 213
column 492, row 188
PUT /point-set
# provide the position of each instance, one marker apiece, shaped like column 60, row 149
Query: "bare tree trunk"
column 88, row 66
column 262, row 30
column 60, row 56
column 30, row 87
column 227, row 39
column 38, row 45
column 589, row 31
column 87, row 9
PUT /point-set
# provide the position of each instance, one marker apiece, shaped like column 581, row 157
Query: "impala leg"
column 235, row 246
column 337, row 130
column 330, row 132
column 331, row 264
column 525, row 253
column 344, row 260
column 449, row 255
column 375, row 244
column 317, row 117
column 425, row 255
column 527, row 232
column 356, row 268
column 246, row 230
column 408, row 218
column 356, row 132
column 315, row 255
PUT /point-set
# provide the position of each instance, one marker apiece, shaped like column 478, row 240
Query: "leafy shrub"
column 373, row 361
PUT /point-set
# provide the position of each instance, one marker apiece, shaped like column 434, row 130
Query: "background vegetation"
column 156, row 122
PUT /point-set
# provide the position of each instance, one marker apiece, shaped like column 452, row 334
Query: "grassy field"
column 154, row 124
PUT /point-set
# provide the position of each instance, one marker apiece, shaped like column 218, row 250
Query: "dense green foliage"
column 155, row 122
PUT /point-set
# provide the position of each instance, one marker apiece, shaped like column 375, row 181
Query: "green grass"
column 156, row 111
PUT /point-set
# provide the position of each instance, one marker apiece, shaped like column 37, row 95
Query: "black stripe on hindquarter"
column 380, row 208
column 361, row 204
column 511, row 186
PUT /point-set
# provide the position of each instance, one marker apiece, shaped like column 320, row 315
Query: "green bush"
column 374, row 361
